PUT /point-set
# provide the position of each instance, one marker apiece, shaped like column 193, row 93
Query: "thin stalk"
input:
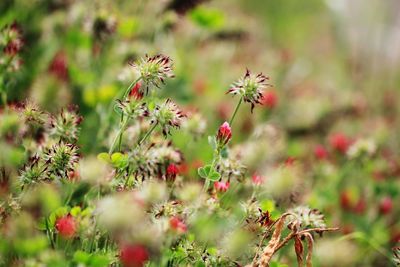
column 236, row 110
column 147, row 135
column 118, row 136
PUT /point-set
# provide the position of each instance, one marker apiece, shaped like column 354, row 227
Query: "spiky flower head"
column 168, row 116
column 154, row 71
column 31, row 113
column 64, row 126
column 61, row 159
column 132, row 108
column 33, row 172
column 307, row 217
column 250, row 87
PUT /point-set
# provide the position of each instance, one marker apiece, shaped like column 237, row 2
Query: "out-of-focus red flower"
column 290, row 161
column 361, row 206
column 221, row 186
column 59, row 67
column 257, row 179
column 177, row 224
column 345, row 200
column 135, row 92
column 320, row 152
column 66, row 226
column 385, row 205
column 269, row 99
column 339, row 142
column 172, row 171
column 183, row 168
column 133, row 255
column 224, row 134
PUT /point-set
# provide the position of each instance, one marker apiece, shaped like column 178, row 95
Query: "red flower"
column 385, row 205
column 320, row 152
column 257, row 179
column 269, row 99
column 224, row 134
column 135, row 91
column 339, row 142
column 172, row 171
column 177, row 224
column 221, row 186
column 361, row 206
column 58, row 66
column 66, row 226
column 290, row 161
column 133, row 255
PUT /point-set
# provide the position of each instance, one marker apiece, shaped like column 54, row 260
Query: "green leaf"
column 119, row 160
column 214, row 176
column 104, row 157
column 81, row 257
column 204, row 171
column 75, row 211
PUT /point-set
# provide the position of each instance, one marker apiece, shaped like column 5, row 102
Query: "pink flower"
column 135, row 91
column 221, row 186
column 172, row 171
column 339, row 142
column 66, row 226
column 257, row 179
column 177, row 224
column 224, row 134
column 269, row 99
column 133, row 255
column 320, row 152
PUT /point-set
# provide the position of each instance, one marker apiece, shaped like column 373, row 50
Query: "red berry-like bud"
column 66, row 226
column 224, row 134
column 135, row 91
column 385, row 205
column 257, row 179
column 269, row 99
column 320, row 152
column 172, row 171
column 221, row 186
column 133, row 255
column 339, row 142
column 177, row 224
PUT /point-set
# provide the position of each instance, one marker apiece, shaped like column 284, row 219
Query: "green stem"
column 236, row 110
column 147, row 135
column 118, row 136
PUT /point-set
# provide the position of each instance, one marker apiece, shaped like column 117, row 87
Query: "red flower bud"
column 177, row 225
column 221, row 186
column 135, row 91
column 133, row 255
column 339, row 142
column 66, row 226
column 345, row 200
column 320, row 152
column 385, row 205
column 172, row 171
column 224, row 134
column 58, row 66
column 269, row 99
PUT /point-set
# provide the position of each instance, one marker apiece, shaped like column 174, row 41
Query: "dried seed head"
column 250, row 87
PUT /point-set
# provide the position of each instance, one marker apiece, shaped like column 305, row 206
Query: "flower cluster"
column 250, row 88
column 65, row 125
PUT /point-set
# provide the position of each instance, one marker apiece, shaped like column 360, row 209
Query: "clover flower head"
column 61, row 159
column 64, row 126
column 250, row 87
column 32, row 172
column 309, row 217
column 133, row 108
column 168, row 116
column 31, row 113
column 154, row 71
